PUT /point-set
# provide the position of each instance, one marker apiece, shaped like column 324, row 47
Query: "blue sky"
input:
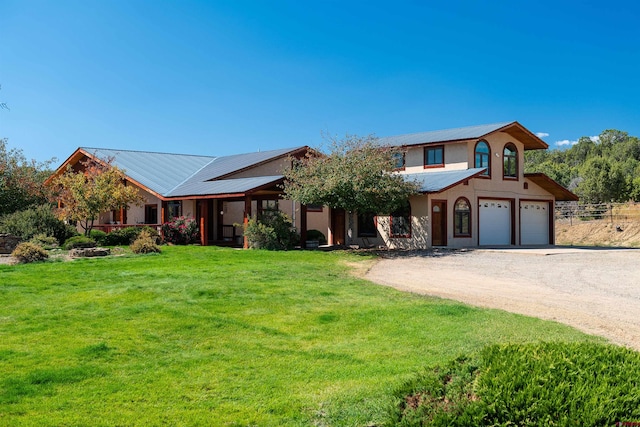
column 225, row 77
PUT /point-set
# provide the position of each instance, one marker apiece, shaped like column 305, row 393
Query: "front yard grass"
column 211, row 336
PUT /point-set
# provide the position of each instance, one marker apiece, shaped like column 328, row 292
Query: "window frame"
column 506, row 162
column 404, row 213
column 315, row 207
column 487, row 173
column 456, row 231
column 433, row 148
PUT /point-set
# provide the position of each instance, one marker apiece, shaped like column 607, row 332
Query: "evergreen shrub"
column 273, row 230
column 561, row 384
column 79, row 242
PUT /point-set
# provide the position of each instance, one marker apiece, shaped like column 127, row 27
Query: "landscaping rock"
column 89, row 252
column 8, row 243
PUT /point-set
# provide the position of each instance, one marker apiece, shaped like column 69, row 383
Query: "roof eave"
column 558, row 191
column 522, row 134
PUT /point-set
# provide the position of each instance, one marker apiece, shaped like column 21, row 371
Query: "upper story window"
column 510, row 157
column 434, row 156
column 398, row 160
column 483, row 157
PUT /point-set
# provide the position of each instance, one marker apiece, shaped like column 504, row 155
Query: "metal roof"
column 434, row 182
column 457, row 134
column 223, row 186
column 159, row 172
column 173, row 175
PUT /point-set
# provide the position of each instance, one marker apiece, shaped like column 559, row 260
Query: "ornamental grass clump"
column 29, row 252
column 181, row 231
column 145, row 244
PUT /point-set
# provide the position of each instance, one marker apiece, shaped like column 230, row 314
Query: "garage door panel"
column 495, row 222
column 534, row 223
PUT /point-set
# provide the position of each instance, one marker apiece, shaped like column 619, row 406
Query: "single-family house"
column 473, row 192
column 220, row 193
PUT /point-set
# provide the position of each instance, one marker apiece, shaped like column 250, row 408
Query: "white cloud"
column 565, row 142
column 541, row 134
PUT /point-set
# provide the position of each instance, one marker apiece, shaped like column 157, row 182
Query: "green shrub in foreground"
column 47, row 242
column 79, row 242
column 527, row 385
column 36, row 220
column 273, row 231
column 121, row 237
column 29, row 252
column 99, row 236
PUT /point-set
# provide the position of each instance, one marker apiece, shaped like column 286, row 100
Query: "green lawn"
column 210, row 336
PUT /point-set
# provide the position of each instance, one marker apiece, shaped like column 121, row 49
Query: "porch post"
column 247, row 215
column 204, row 224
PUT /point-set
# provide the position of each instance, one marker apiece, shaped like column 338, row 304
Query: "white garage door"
column 495, row 222
column 534, row 223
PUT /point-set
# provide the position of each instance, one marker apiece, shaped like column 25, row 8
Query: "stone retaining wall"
column 8, row 243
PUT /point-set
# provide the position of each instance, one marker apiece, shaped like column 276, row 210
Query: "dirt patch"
column 594, row 290
column 601, row 233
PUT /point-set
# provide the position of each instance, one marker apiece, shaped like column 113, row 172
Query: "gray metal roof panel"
column 223, row 186
column 159, row 172
column 469, row 132
column 433, row 182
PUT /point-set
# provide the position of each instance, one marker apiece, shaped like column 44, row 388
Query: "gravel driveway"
column 594, row 290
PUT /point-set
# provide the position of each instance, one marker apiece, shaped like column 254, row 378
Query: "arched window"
column 510, row 157
column 483, row 157
column 401, row 222
column 462, row 218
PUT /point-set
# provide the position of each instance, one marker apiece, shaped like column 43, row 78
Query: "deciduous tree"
column 21, row 180
column 356, row 175
column 98, row 187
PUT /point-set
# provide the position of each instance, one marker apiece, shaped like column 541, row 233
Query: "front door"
column 337, row 226
column 439, row 223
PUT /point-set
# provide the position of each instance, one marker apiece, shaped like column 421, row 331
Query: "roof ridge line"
column 149, row 152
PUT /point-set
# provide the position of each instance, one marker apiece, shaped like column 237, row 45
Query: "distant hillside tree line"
column 599, row 170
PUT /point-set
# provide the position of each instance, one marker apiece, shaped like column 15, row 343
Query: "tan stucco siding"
column 455, row 158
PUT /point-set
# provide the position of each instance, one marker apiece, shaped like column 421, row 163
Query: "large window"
column 151, row 214
column 401, row 222
column 510, row 156
column 367, row 225
column 434, row 156
column 174, row 209
column 462, row 218
column 483, row 157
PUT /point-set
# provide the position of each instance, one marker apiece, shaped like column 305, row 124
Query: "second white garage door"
column 494, row 222
column 534, row 223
